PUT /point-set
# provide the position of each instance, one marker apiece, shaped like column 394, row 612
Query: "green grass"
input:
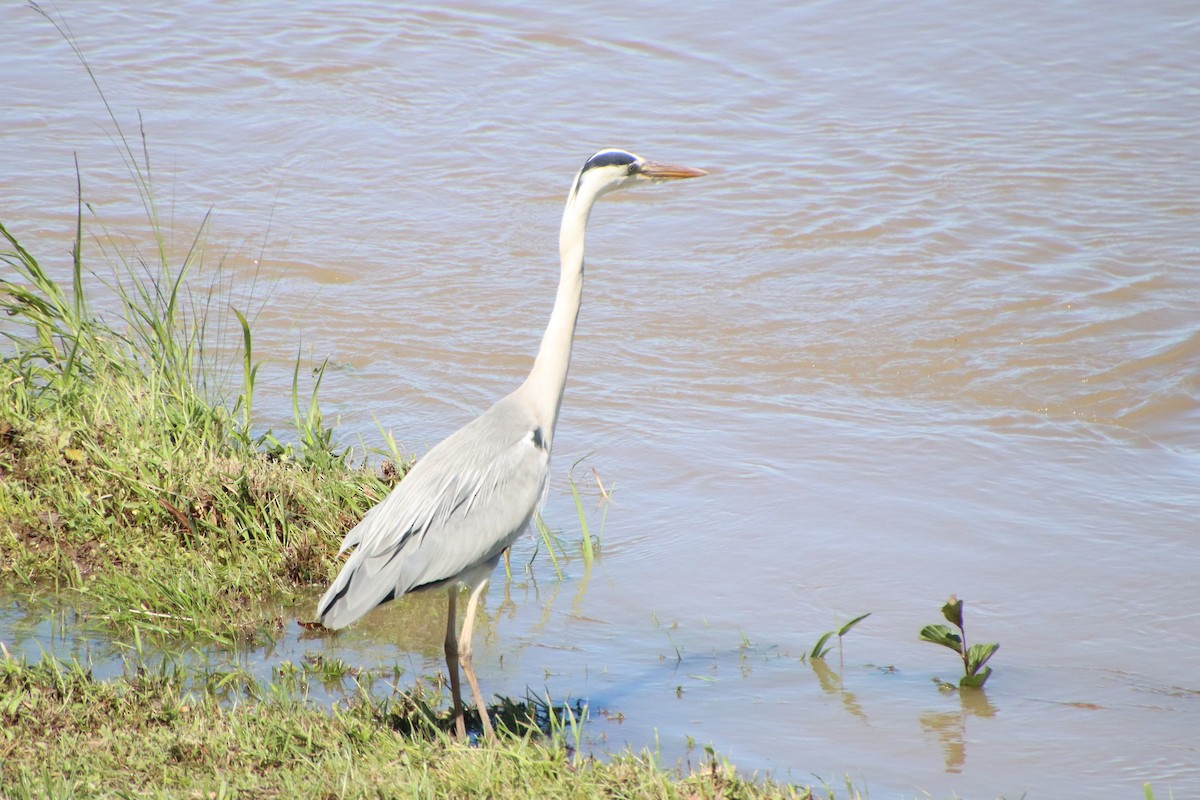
column 159, row 732
column 131, row 477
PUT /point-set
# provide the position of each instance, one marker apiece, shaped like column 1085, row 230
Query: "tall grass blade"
column 842, row 631
column 245, row 401
column 819, row 649
column 548, row 541
column 586, row 542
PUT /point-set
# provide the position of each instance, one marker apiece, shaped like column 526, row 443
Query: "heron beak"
column 652, row 169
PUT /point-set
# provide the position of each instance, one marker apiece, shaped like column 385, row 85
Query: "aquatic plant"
column 820, row 650
column 589, row 544
column 974, row 657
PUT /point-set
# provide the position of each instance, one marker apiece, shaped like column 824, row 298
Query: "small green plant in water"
column 821, row 648
column 974, row 657
column 589, row 544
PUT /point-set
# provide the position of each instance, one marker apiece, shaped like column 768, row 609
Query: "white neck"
column 546, row 381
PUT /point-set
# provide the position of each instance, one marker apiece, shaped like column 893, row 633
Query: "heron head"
column 613, row 169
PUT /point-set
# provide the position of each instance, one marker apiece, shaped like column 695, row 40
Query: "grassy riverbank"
column 66, row 735
column 132, row 477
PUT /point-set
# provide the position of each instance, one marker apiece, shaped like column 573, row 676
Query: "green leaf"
column 952, row 611
column 586, row 541
column 940, row 634
column 842, row 631
column 977, row 680
column 548, row 540
column 979, row 654
column 817, row 652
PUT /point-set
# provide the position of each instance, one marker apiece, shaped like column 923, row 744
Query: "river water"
column 930, row 326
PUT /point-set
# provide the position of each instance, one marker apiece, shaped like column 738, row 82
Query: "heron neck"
column 548, row 378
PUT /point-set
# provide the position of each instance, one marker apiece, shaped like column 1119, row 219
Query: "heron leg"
column 452, row 657
column 464, row 653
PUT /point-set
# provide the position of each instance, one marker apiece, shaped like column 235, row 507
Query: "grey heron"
column 447, row 522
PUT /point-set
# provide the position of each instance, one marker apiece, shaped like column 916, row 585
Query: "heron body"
column 465, row 502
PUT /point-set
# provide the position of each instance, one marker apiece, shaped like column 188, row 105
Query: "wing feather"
column 457, row 509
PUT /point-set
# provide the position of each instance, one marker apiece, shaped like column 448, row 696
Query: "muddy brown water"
column 931, row 325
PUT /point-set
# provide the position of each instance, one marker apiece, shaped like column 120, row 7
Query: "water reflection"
column 950, row 727
column 831, row 683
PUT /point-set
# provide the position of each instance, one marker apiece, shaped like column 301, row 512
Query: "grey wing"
column 457, row 508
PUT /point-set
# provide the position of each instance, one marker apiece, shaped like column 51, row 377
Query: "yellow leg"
column 460, row 724
column 464, row 654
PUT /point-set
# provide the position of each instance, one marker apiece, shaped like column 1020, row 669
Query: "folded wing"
column 455, row 511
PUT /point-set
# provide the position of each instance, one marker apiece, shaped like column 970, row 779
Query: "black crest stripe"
column 611, row 158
